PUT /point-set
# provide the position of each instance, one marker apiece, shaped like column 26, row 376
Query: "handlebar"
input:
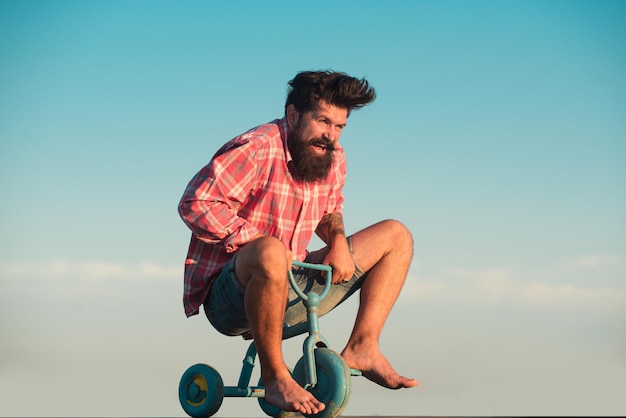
column 320, row 267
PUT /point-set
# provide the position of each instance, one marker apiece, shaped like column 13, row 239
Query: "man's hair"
column 338, row 89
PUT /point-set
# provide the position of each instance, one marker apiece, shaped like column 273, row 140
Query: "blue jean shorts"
column 224, row 306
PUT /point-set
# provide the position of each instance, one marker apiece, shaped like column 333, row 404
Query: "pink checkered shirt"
column 246, row 189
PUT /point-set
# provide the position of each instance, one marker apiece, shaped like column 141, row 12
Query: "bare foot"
column 376, row 367
column 288, row 395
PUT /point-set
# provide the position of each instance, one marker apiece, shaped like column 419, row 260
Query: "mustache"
column 322, row 142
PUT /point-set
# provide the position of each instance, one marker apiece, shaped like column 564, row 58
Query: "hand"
column 340, row 259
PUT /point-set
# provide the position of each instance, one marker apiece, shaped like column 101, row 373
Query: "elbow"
column 185, row 211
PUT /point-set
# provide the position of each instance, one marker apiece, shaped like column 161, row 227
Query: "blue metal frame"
column 311, row 300
column 314, row 339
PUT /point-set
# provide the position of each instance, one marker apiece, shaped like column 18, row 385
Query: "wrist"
column 338, row 240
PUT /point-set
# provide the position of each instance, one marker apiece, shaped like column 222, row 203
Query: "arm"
column 212, row 198
column 332, row 232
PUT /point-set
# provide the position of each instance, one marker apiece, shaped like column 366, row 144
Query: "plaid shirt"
column 246, row 189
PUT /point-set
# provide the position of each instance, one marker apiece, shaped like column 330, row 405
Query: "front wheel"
column 333, row 381
column 201, row 391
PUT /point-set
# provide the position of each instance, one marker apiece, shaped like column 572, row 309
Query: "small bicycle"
column 320, row 370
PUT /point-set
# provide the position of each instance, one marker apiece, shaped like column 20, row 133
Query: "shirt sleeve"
column 214, row 195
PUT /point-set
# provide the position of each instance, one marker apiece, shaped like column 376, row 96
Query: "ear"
column 293, row 116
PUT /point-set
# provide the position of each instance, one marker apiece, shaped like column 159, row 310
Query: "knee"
column 270, row 255
column 399, row 235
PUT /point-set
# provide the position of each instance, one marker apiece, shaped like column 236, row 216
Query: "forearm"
column 331, row 228
column 210, row 203
column 214, row 223
column 332, row 232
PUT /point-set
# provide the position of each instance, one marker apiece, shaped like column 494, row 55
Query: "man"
column 254, row 208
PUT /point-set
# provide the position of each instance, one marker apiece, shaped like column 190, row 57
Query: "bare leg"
column 384, row 250
column 261, row 267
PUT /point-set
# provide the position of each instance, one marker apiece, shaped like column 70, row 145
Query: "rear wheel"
column 201, row 391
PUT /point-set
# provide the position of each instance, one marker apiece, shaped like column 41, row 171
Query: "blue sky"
column 498, row 137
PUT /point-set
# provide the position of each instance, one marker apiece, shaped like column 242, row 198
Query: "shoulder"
column 260, row 138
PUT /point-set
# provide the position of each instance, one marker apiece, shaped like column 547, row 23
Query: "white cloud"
column 549, row 288
column 90, row 270
column 598, row 260
column 110, row 322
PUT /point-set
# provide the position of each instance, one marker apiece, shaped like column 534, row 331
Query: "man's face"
column 312, row 139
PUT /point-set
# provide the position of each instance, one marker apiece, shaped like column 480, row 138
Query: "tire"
column 333, row 381
column 201, row 391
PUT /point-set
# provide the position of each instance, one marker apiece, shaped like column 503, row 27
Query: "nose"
column 331, row 134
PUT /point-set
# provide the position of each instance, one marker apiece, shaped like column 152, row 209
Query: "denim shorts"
column 224, row 306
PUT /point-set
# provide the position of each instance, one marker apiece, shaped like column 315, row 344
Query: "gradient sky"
column 498, row 137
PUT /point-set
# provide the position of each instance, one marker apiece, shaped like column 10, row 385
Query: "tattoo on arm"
column 330, row 225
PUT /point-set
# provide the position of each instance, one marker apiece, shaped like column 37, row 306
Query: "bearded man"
column 254, row 208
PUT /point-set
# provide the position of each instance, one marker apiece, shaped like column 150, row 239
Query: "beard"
column 310, row 166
